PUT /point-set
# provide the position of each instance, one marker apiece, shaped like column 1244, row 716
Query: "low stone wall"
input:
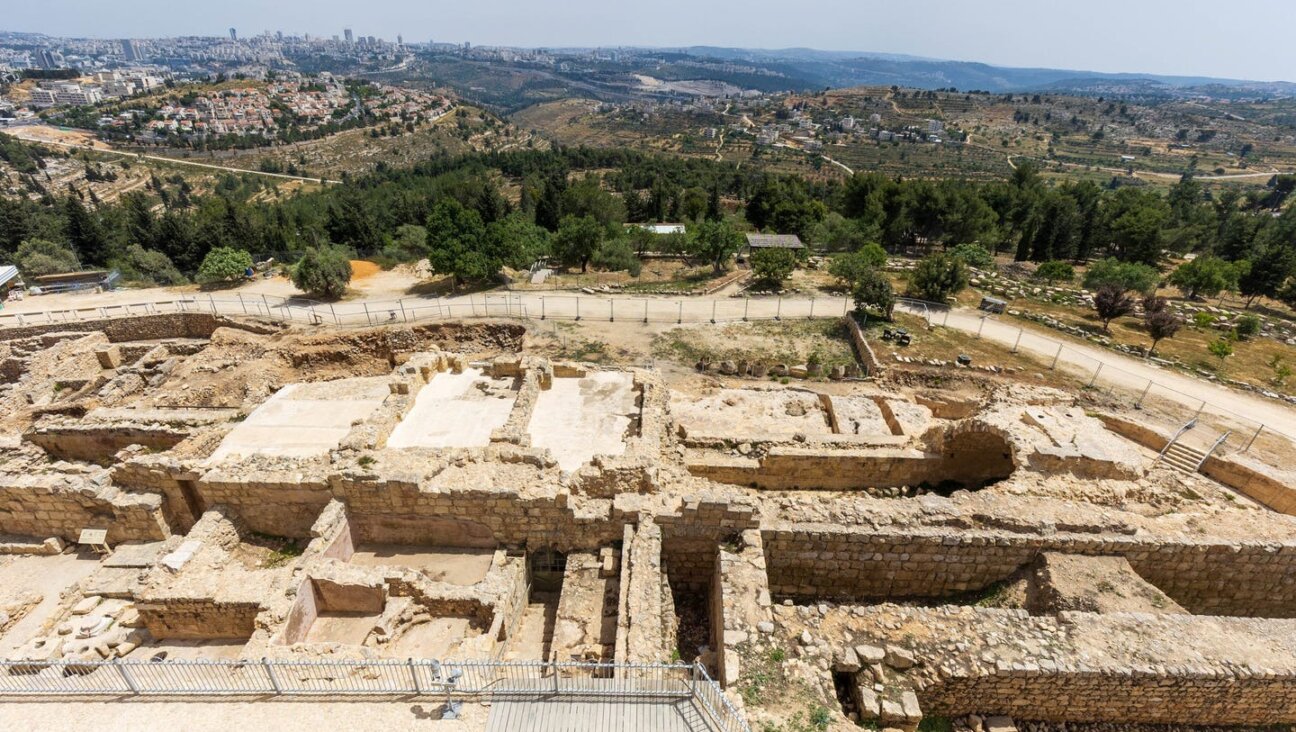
column 1212, row 578
column 144, row 327
column 868, row 359
column 99, row 443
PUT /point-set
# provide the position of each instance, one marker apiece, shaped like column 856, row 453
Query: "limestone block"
column 110, row 357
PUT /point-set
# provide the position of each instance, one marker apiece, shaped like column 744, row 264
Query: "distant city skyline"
column 1245, row 39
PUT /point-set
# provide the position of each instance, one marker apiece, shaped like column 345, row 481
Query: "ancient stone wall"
column 869, row 360
column 1211, row 578
column 1150, row 698
column 198, row 619
column 53, row 505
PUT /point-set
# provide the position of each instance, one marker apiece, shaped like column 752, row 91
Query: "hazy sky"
column 1249, row 39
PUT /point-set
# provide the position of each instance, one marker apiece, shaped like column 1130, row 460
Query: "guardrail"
column 451, row 680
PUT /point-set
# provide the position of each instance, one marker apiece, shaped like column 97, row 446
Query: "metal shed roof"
column 774, row 241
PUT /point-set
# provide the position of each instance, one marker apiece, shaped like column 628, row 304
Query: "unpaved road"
column 383, row 300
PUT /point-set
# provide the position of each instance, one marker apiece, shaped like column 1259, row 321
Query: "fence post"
column 1056, row 356
column 1253, row 438
column 274, row 681
column 645, row 310
column 333, row 312
column 542, row 308
column 243, row 304
column 811, row 309
column 1143, row 395
column 946, row 319
column 578, row 308
column 401, row 302
column 130, row 682
column 1097, row 371
column 1018, row 341
column 368, row 319
column 680, row 319
column 611, row 310
column 267, row 305
column 778, row 314
column 746, row 303
column 1199, row 409
column 211, row 301
column 713, row 309
column 979, row 327
column 845, row 306
column 414, row 677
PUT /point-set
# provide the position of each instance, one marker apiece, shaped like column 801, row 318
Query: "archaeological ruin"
column 839, row 552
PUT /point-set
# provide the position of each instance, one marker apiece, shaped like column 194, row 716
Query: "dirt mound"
column 360, row 269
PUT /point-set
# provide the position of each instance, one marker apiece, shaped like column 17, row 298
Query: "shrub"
column 224, row 265
column 974, row 255
column 774, row 265
column 36, row 257
column 1125, row 275
column 615, row 255
column 1221, row 348
column 938, row 277
column 324, row 271
column 1247, row 326
column 1055, row 271
column 1203, row 320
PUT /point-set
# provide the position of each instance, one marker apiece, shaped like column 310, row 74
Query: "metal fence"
column 451, row 680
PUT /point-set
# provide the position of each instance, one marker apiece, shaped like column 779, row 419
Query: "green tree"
column 578, row 238
column 615, row 255
column 872, row 291
column 455, row 242
column 1125, row 275
column 1111, row 302
column 1136, row 222
column 224, row 265
column 1205, row 276
column 714, row 242
column 36, row 257
column 324, row 271
column 772, row 265
column 850, row 268
column 518, row 242
column 938, row 277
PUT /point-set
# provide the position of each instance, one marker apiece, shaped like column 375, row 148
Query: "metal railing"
column 1212, row 449
column 1171, row 443
column 450, row 680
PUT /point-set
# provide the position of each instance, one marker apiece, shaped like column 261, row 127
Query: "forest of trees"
column 571, row 203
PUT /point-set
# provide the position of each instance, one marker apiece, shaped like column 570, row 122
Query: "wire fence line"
column 1097, row 374
column 449, row 680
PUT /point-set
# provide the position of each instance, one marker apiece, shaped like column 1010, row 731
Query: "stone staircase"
column 1183, row 458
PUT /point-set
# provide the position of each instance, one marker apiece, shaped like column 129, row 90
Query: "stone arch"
column 975, row 455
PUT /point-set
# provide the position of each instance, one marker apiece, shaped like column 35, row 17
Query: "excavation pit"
column 457, row 566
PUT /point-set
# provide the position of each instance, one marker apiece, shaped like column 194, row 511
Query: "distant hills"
column 810, row 68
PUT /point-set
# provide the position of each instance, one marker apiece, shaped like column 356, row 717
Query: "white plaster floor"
column 451, row 412
column 304, row 420
column 577, row 419
column 49, row 576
